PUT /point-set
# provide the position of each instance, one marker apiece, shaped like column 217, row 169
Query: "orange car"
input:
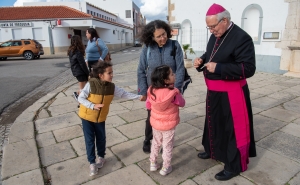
column 27, row 48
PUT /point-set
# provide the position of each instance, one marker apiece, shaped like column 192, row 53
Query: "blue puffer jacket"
column 157, row 58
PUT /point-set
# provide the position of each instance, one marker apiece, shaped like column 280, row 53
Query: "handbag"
column 107, row 57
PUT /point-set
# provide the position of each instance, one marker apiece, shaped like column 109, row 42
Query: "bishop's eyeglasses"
column 213, row 27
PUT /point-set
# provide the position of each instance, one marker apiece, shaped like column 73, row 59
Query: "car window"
column 6, row 44
column 26, row 42
column 17, row 43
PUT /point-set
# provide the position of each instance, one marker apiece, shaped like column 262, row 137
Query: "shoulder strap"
column 173, row 49
column 148, row 53
column 98, row 48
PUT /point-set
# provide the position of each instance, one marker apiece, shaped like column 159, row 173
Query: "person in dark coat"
column 229, row 59
column 78, row 66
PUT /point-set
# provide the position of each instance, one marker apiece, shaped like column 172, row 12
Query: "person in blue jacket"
column 92, row 50
column 156, row 36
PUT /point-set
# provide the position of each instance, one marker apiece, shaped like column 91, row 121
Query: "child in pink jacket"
column 164, row 100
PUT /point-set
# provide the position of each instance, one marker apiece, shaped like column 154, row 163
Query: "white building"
column 53, row 25
column 273, row 24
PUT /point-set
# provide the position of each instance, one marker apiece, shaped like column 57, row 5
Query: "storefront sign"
column 16, row 24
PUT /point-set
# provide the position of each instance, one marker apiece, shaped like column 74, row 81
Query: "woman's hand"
column 143, row 98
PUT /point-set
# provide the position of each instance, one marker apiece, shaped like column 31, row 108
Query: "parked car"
column 137, row 43
column 27, row 48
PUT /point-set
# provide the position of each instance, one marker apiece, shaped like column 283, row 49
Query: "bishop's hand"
column 197, row 62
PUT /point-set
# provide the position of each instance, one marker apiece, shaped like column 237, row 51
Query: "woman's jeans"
column 91, row 131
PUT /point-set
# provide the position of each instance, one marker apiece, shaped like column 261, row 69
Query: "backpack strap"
column 173, row 52
column 148, row 53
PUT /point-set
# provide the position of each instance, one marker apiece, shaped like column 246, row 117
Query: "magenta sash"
column 239, row 113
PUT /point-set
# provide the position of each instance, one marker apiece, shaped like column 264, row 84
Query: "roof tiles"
column 40, row 12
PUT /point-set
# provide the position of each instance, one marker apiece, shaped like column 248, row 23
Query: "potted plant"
column 187, row 49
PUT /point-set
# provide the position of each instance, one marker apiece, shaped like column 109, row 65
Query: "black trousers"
column 91, row 63
column 148, row 128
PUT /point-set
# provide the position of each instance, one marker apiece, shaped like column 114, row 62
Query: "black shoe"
column 147, row 146
column 225, row 175
column 203, row 155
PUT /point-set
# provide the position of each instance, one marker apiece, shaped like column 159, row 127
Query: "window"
column 6, row 44
column 252, row 22
column 17, row 43
column 91, row 12
column 26, row 42
column 97, row 14
column 88, row 11
column 128, row 13
column 37, row 33
column 17, row 34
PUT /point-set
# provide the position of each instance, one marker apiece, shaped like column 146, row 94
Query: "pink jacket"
column 165, row 108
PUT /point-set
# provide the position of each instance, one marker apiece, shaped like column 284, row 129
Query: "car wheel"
column 37, row 57
column 28, row 55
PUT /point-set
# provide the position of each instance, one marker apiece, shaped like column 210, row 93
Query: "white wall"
column 274, row 17
column 96, row 10
column 81, row 6
column 117, row 7
column 27, row 33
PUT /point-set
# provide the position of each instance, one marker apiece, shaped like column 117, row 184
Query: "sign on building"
column 15, row 24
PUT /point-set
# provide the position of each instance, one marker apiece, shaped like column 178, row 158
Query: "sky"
column 152, row 9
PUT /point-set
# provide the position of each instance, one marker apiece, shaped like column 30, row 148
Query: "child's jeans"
column 166, row 139
column 90, row 131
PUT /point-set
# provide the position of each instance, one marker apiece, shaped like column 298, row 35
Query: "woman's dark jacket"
column 78, row 65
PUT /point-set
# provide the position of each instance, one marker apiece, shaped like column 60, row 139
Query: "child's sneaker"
column 75, row 96
column 154, row 166
column 93, row 169
column 164, row 171
column 100, row 162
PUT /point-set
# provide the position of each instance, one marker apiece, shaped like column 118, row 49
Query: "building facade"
column 272, row 24
column 127, row 11
column 53, row 24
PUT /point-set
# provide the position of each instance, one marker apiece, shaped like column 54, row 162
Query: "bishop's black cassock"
column 228, row 132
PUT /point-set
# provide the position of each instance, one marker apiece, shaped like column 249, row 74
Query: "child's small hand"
column 98, row 106
column 143, row 98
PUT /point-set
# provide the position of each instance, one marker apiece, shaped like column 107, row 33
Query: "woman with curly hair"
column 78, row 65
column 159, row 50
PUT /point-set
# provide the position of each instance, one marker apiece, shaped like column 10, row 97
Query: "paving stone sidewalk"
column 46, row 144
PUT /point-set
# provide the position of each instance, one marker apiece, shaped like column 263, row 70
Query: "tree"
column 186, row 49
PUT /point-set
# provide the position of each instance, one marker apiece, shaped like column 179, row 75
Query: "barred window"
column 128, row 13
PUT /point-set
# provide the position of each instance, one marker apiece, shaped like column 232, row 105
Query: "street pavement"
column 46, row 144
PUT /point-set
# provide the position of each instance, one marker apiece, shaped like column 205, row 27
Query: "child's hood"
column 164, row 97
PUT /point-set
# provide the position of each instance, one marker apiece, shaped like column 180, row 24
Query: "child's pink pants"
column 166, row 139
